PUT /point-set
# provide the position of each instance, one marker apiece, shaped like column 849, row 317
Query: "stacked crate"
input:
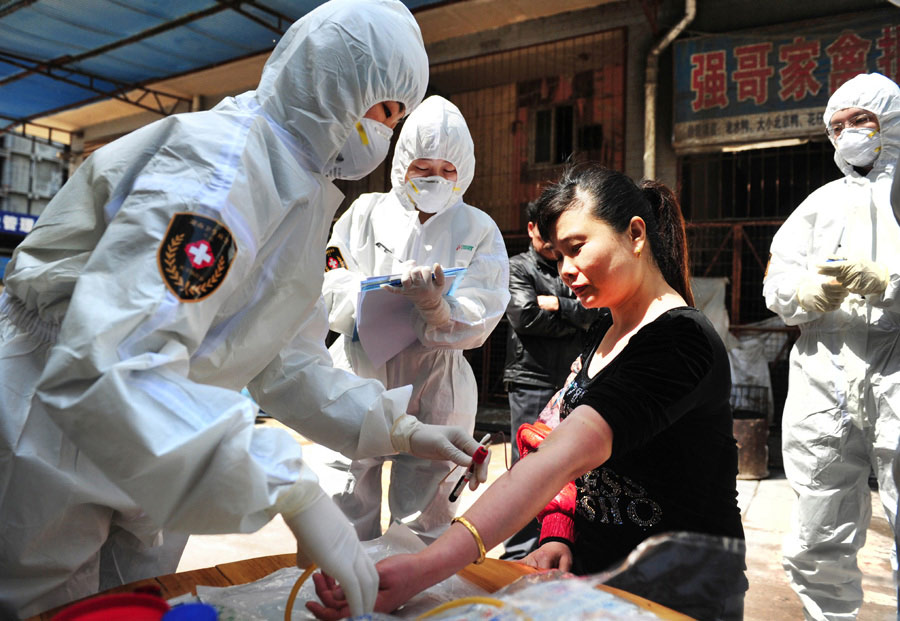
column 31, row 172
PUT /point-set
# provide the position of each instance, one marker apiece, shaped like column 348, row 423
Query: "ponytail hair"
column 670, row 253
column 615, row 199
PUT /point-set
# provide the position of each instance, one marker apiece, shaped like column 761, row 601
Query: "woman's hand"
column 398, row 582
column 551, row 555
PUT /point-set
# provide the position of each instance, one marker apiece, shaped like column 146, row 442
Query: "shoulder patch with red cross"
column 334, row 259
column 195, row 255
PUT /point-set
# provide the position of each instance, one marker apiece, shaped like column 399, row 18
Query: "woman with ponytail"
column 645, row 429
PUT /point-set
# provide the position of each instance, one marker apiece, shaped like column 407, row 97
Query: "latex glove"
column 438, row 442
column 860, row 276
column 815, row 295
column 424, row 287
column 326, row 537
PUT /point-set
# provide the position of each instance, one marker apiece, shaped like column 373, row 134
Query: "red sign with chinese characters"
column 738, row 88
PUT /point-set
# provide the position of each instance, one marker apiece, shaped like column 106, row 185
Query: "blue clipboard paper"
column 393, row 280
column 383, row 319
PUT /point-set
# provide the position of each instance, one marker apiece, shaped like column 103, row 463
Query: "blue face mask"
column 365, row 149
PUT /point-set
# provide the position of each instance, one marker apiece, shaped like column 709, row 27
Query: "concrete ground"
column 765, row 505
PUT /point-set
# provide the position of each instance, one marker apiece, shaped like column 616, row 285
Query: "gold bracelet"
column 474, row 531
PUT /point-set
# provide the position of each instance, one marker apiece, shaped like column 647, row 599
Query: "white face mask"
column 859, row 146
column 431, row 194
column 365, row 149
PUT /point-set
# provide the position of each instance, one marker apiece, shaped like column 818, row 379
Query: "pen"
column 477, row 458
column 388, row 251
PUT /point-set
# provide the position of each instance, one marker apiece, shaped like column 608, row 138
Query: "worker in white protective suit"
column 835, row 272
column 179, row 264
column 418, row 229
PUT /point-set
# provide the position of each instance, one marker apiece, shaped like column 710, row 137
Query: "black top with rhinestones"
column 674, row 458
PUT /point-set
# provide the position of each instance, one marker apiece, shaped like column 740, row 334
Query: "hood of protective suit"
column 334, row 64
column 881, row 96
column 436, row 130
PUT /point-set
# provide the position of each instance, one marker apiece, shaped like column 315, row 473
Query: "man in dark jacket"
column 548, row 325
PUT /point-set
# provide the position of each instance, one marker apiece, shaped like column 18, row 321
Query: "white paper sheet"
column 384, row 320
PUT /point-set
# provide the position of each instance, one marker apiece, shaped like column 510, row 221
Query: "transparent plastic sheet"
column 701, row 576
column 265, row 599
column 547, row 596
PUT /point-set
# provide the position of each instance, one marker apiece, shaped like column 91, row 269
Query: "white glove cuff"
column 438, row 315
column 305, row 491
column 402, row 431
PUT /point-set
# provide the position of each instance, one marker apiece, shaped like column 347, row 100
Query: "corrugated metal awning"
column 60, row 54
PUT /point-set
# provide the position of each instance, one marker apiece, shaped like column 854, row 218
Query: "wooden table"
column 492, row 575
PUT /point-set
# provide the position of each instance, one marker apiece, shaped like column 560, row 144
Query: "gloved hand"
column 860, row 276
column 325, row 537
column 438, row 442
column 815, row 295
column 425, row 292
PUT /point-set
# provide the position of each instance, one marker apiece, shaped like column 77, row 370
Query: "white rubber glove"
column 438, row 442
column 424, row 286
column 860, row 276
column 325, row 537
column 815, row 295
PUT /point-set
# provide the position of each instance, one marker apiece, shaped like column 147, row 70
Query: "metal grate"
column 735, row 202
column 753, row 184
column 532, row 109
column 738, row 251
column 750, row 401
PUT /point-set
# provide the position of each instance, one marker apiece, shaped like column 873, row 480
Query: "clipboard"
column 383, row 324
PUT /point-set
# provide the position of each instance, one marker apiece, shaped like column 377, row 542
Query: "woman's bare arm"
column 582, row 442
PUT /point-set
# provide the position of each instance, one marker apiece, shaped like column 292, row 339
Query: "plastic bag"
column 266, row 599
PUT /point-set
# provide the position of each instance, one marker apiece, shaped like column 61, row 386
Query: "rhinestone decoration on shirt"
column 603, row 494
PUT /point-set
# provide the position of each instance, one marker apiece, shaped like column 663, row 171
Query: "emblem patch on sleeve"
column 334, row 259
column 195, row 255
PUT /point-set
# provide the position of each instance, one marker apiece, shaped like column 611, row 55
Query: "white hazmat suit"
column 179, row 264
column 842, row 413
column 381, row 234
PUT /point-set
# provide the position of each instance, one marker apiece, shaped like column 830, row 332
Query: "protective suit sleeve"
column 340, row 288
column 789, row 266
column 890, row 297
column 117, row 384
column 523, row 312
column 479, row 301
column 330, row 406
